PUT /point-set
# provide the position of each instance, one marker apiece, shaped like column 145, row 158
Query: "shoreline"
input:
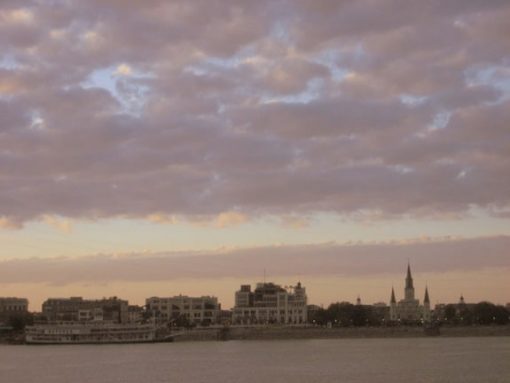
column 208, row 334
column 284, row 333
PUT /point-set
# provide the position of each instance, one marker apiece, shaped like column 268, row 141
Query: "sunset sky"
column 162, row 147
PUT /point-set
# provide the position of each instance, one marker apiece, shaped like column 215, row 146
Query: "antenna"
column 264, row 275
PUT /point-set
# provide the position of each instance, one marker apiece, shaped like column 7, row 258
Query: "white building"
column 270, row 303
column 198, row 310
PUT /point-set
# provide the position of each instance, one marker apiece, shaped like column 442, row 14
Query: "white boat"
column 92, row 333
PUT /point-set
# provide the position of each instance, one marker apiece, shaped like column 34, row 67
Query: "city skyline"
column 176, row 147
column 394, row 297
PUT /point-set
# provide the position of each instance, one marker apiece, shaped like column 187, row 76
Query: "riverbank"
column 280, row 332
column 311, row 332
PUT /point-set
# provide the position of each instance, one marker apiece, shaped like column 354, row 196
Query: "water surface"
column 446, row 360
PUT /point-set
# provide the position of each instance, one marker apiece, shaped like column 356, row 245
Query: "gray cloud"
column 267, row 107
column 359, row 260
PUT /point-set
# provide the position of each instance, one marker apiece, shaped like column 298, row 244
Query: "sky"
column 155, row 148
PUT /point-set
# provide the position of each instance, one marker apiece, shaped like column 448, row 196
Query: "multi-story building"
column 409, row 308
column 198, row 310
column 270, row 303
column 12, row 307
column 225, row 317
column 135, row 313
column 79, row 309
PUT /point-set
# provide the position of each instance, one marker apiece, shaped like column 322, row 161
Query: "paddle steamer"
column 92, row 333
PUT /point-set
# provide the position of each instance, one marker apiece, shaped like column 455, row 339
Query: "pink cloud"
column 267, row 107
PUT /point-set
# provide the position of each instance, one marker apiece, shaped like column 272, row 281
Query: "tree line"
column 345, row 314
column 483, row 313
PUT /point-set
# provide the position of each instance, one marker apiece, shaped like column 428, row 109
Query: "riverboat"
column 93, row 333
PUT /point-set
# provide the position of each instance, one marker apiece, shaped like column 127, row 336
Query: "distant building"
column 460, row 312
column 225, row 317
column 91, row 314
column 79, row 309
column 462, row 308
column 135, row 313
column 197, row 310
column 409, row 308
column 12, row 307
column 270, row 303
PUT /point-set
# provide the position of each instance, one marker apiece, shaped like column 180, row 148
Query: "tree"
column 464, row 315
column 487, row 313
column 450, row 313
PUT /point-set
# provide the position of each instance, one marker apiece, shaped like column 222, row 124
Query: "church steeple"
column 393, row 306
column 409, row 278
column 426, row 306
column 409, row 290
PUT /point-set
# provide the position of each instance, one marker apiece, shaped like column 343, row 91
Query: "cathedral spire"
column 393, row 300
column 409, row 277
column 426, row 306
column 409, row 290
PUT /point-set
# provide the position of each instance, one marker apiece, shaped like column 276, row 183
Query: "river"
column 407, row 360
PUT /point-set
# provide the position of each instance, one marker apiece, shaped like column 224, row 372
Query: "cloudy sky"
column 163, row 147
